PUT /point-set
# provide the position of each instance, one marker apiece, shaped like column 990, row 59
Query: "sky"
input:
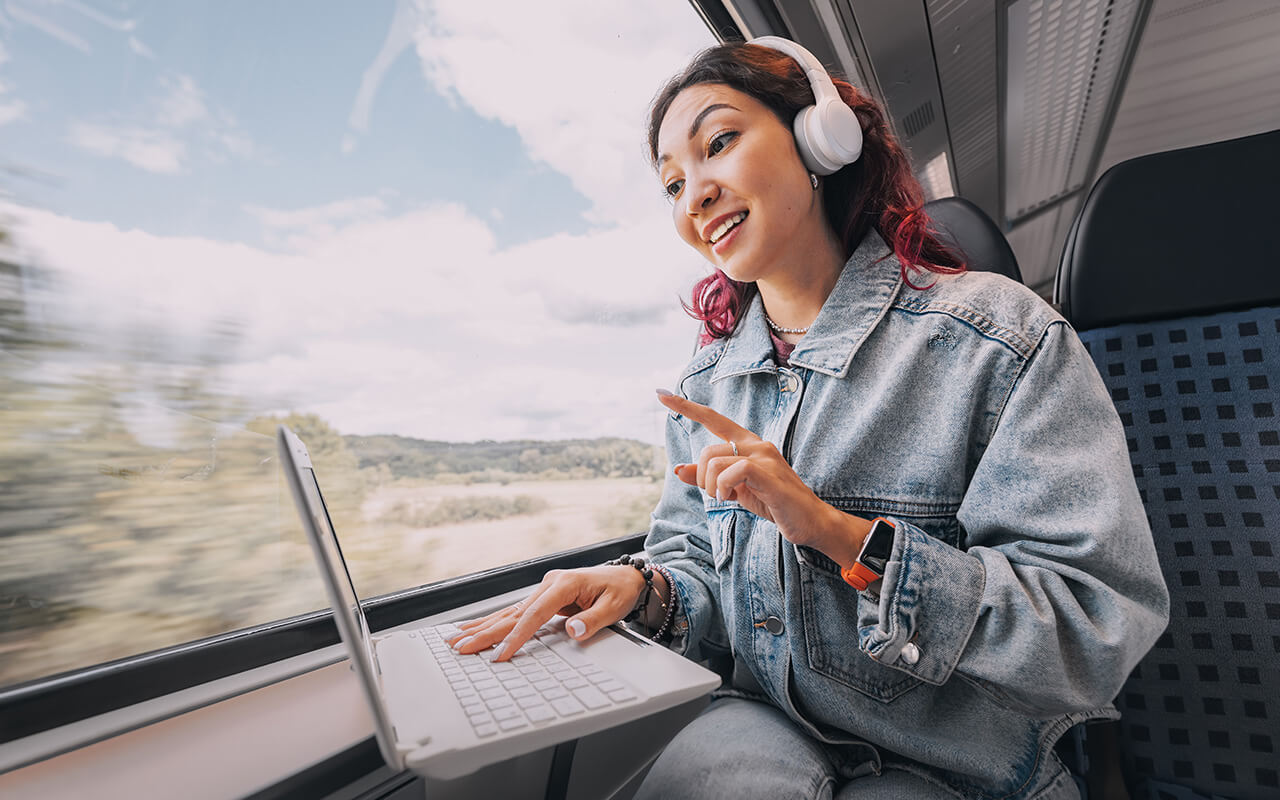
column 433, row 218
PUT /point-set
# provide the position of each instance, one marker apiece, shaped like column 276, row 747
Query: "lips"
column 720, row 227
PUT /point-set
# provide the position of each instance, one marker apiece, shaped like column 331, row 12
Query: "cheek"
column 684, row 225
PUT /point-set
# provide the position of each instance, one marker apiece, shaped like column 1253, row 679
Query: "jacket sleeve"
column 1058, row 592
column 679, row 540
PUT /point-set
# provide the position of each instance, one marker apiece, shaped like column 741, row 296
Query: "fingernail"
column 665, row 393
column 576, row 628
column 499, row 651
column 463, row 642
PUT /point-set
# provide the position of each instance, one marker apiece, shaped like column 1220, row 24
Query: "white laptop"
column 445, row 715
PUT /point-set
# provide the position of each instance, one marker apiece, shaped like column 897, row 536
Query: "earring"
column 813, row 181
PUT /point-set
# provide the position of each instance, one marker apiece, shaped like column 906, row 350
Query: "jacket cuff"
column 687, row 622
column 927, row 607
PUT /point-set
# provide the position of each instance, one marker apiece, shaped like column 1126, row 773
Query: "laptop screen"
column 328, row 539
column 348, row 615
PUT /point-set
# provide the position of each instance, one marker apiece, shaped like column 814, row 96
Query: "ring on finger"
column 734, row 445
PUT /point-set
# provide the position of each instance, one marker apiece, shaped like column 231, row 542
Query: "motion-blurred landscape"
column 141, row 507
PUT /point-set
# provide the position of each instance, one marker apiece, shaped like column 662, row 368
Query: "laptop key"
column 530, row 702
column 523, row 691
column 621, row 695
column 506, row 713
column 575, row 682
column 485, row 731
column 512, row 724
column 591, row 697
column 567, row 706
column 540, row 714
column 555, row 693
column 499, row 702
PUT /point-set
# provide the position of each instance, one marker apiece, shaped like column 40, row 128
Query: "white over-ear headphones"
column 827, row 133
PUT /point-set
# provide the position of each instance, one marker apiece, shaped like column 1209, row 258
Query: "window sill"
column 226, row 738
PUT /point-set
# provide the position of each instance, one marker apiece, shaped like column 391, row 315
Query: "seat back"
column 1171, row 276
column 961, row 225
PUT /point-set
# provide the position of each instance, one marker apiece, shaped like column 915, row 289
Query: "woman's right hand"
column 592, row 598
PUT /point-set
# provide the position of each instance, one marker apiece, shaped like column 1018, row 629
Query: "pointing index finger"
column 709, row 418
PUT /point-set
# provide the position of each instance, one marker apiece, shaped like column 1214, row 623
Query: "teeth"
column 719, row 232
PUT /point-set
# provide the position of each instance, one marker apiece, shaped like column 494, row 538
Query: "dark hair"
column 877, row 191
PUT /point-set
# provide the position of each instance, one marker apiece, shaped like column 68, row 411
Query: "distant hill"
column 407, row 457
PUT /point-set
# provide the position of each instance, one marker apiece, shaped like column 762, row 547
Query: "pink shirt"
column 782, row 349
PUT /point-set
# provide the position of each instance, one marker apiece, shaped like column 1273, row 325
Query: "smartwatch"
column 876, row 549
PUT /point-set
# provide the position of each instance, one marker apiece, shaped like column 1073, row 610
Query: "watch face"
column 878, row 546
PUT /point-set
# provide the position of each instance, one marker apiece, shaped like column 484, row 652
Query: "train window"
column 425, row 235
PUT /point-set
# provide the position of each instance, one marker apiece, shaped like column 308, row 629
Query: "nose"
column 700, row 193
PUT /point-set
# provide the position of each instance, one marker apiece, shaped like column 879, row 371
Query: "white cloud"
column 179, row 126
column 606, row 63
column 408, row 19
column 106, row 21
column 12, row 111
column 146, row 148
column 415, row 324
column 140, row 49
column 23, row 14
column 183, row 103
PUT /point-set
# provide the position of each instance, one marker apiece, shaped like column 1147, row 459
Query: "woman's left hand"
column 760, row 480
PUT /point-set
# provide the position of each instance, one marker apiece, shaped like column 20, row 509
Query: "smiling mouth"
column 726, row 226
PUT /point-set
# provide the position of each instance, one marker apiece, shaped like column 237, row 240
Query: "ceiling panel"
column 1206, row 70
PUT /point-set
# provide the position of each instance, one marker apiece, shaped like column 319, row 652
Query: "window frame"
column 40, row 705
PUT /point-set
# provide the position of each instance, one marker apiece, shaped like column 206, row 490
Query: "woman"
column 900, row 513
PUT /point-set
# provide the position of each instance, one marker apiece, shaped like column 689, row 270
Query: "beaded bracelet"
column 640, row 612
column 671, row 606
column 647, row 573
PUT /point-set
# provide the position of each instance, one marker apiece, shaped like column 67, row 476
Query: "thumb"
column 584, row 625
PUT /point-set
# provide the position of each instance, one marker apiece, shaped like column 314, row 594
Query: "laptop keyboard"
column 536, row 686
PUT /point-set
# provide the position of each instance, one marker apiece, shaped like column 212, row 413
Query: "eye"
column 672, row 189
column 720, row 141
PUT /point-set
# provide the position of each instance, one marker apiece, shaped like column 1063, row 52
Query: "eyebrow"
column 697, row 123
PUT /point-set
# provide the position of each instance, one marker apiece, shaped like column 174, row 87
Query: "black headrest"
column 961, row 225
column 1181, row 233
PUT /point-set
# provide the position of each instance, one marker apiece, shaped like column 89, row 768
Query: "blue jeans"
column 743, row 749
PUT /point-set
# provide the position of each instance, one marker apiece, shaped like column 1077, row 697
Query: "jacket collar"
column 866, row 287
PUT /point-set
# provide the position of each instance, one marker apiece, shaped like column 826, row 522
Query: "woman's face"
column 741, row 194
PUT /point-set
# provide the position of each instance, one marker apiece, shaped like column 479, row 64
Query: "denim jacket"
column 1023, row 584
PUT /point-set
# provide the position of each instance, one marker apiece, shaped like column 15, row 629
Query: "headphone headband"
column 827, row 133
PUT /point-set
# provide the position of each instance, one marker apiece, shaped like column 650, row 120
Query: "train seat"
column 963, row 226
column 1171, row 277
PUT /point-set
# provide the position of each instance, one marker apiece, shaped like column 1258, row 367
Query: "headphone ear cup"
column 828, row 136
column 808, row 135
column 841, row 140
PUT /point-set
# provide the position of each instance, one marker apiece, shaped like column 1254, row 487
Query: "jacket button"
column 773, row 625
column 910, row 654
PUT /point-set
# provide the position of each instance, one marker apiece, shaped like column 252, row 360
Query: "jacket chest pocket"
column 830, row 610
column 722, row 525
column 829, row 606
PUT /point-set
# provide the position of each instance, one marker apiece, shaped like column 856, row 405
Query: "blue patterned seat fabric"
column 1199, row 402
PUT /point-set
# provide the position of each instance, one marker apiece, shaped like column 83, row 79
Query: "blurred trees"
column 142, row 505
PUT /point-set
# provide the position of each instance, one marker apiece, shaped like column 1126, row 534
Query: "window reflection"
column 434, row 251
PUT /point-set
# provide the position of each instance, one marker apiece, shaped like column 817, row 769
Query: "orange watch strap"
column 859, row 576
